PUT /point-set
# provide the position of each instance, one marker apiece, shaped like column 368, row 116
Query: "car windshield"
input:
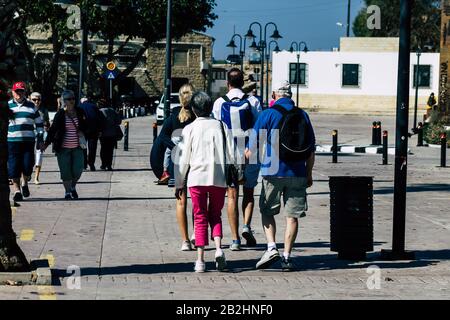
column 174, row 99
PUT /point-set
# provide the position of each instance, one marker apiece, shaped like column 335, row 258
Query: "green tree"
column 131, row 18
column 425, row 26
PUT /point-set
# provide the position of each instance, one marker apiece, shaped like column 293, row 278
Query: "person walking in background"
column 204, row 150
column 286, row 168
column 21, row 140
column 92, row 131
column 239, row 112
column 110, row 122
column 36, row 98
column 170, row 134
column 67, row 133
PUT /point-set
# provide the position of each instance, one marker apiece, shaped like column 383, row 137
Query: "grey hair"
column 201, row 104
column 284, row 92
column 35, row 94
column 66, row 94
column 283, row 89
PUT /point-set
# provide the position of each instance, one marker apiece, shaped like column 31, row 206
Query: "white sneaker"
column 200, row 266
column 268, row 258
column 186, row 246
column 221, row 263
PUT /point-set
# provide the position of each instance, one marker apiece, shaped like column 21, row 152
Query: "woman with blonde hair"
column 170, row 135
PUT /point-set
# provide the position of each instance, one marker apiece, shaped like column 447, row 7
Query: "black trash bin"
column 351, row 216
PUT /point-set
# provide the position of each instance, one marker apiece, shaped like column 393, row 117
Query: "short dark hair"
column 201, row 104
column 235, row 78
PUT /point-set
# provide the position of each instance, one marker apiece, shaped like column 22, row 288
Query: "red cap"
column 19, row 86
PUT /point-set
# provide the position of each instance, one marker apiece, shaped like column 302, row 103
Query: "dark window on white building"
column 351, row 75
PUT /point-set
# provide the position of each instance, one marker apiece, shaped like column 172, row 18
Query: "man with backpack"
column 286, row 134
column 239, row 112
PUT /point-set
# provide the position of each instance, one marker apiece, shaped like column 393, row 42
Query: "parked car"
column 174, row 102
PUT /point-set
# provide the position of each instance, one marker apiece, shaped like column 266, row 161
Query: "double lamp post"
column 262, row 46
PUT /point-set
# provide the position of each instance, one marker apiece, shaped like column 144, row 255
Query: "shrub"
column 432, row 132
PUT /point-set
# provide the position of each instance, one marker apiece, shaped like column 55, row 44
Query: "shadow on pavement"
column 424, row 258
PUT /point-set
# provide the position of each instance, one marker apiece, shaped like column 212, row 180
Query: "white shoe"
column 186, row 246
column 221, row 263
column 200, row 266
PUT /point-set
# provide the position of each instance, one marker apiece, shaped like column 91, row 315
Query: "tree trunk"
column 12, row 258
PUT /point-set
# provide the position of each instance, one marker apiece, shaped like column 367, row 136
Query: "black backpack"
column 293, row 135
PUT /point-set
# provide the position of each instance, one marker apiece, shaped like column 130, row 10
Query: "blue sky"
column 312, row 21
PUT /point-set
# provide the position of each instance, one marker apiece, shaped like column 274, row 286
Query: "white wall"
column 379, row 72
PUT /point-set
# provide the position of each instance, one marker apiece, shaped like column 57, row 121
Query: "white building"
column 361, row 77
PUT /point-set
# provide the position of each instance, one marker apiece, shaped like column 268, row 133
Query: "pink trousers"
column 207, row 204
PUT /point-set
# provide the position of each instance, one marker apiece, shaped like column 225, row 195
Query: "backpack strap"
column 225, row 97
column 280, row 109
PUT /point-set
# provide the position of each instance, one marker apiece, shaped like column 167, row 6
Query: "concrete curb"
column 349, row 149
column 40, row 274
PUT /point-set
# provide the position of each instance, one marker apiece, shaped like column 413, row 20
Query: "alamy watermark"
column 74, row 281
column 374, row 280
column 374, row 18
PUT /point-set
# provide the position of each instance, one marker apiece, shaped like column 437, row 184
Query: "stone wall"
column 363, row 44
column 199, row 49
column 348, row 104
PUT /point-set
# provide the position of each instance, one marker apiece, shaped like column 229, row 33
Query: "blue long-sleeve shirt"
column 271, row 165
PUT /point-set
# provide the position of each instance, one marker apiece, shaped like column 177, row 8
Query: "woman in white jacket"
column 199, row 162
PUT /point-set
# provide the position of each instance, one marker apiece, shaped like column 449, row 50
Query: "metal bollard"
column 379, row 133
column 443, row 150
column 385, row 147
column 374, row 133
column 134, row 112
column 420, row 134
column 335, row 146
column 155, row 131
column 125, row 135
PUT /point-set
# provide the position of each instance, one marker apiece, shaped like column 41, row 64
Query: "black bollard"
column 125, row 136
column 374, row 133
column 385, row 147
column 155, row 131
column 443, row 150
column 420, row 134
column 335, row 146
column 379, row 133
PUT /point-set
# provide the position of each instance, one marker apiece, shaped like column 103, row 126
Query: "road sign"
column 111, row 66
column 110, row 75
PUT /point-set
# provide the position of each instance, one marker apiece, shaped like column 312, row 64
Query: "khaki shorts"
column 294, row 196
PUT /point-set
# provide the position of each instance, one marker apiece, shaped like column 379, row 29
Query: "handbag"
column 234, row 175
column 81, row 138
column 119, row 133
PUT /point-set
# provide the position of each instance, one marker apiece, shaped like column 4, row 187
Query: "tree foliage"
column 145, row 19
column 425, row 25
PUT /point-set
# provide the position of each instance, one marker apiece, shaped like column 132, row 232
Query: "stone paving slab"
column 123, row 235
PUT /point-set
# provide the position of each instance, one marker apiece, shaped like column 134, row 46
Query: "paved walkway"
column 123, row 235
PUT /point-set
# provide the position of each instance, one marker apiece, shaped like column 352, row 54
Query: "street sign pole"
column 401, row 144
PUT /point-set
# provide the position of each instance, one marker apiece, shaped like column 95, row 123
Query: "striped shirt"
column 26, row 120
column 71, row 139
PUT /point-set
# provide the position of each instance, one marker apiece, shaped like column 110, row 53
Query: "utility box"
column 351, row 216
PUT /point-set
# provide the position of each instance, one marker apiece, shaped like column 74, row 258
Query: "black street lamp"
column 298, row 47
column 417, row 80
column 168, row 73
column 65, row 4
column 401, row 144
column 262, row 45
column 276, row 50
column 232, row 44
